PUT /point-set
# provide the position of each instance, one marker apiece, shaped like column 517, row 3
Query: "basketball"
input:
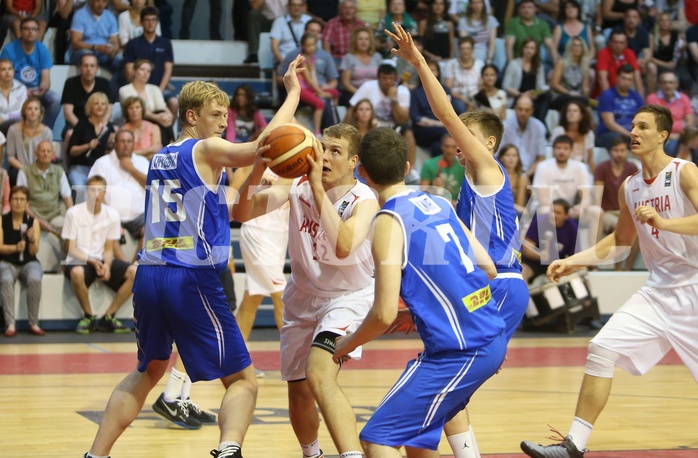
column 290, row 150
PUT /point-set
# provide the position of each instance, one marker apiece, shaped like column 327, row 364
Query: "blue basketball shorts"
column 431, row 391
column 188, row 307
column 510, row 292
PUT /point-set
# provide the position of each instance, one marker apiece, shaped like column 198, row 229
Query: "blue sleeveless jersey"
column 448, row 296
column 493, row 221
column 186, row 223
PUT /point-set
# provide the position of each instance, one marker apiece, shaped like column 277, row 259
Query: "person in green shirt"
column 442, row 175
column 525, row 25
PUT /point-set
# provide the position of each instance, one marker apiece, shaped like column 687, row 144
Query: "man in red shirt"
column 677, row 102
column 337, row 33
column 611, row 58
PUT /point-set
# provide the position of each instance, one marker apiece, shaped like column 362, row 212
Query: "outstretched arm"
column 483, row 163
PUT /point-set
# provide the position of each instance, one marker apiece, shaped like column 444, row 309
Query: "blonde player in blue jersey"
column 485, row 205
column 177, row 294
column 423, row 253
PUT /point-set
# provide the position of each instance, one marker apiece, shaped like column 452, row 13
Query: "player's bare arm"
column 687, row 225
column 482, row 258
column 387, row 248
column 485, row 168
column 253, row 202
column 611, row 246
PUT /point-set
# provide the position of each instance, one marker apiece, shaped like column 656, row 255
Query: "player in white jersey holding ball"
column 659, row 205
column 331, row 285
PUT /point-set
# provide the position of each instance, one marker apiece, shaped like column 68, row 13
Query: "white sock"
column 462, row 445
column 225, row 444
column 174, row 385
column 89, row 455
column 474, row 441
column 351, row 454
column 580, row 432
column 186, row 387
column 311, row 449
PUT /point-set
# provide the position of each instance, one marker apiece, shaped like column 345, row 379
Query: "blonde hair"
column 196, row 94
column 94, row 98
column 32, row 99
column 355, row 36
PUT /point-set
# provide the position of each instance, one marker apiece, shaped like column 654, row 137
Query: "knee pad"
column 600, row 361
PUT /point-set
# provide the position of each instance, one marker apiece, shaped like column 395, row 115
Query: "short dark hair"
column 619, row 140
column 150, row 11
column 625, row 68
column 563, row 139
column 383, row 155
column 314, row 21
column 23, row 189
column 563, row 203
column 28, row 19
column 662, row 117
column 387, row 69
column 487, row 122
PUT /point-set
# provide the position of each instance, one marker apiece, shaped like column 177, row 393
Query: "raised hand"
column 405, row 46
column 291, row 76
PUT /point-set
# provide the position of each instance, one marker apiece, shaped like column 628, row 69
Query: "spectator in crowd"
column 90, row 231
column 13, row 94
column 156, row 109
column 92, row 137
column 371, row 12
column 617, row 106
column 17, row 11
column 481, row 27
column 126, row 173
column 326, row 74
column 438, row 32
column 158, row 50
column 526, row 133
column 442, row 175
column 399, row 15
column 147, row 140
column 61, row 20
column 526, row 75
column 286, row 30
column 19, row 243
column 392, row 107
column 48, row 187
column 32, row 63
column 692, row 54
column 337, row 37
column 570, row 26
column 509, row 157
column 527, row 25
column 214, row 19
column 462, row 75
column 549, row 237
column 490, row 97
column 24, row 137
column 676, row 10
column 563, row 178
column 608, row 177
column 428, row 130
column 245, row 121
column 638, row 37
column 260, row 18
column 94, row 30
column 78, row 89
column 130, row 25
column 612, row 12
column 667, row 48
column 312, row 92
column 570, row 79
column 611, row 58
column 687, row 146
column 359, row 64
column 677, row 102
column 576, row 123
column 363, row 117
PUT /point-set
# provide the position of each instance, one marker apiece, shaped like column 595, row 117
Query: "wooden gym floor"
column 53, row 390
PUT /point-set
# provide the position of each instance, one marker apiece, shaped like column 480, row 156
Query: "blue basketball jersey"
column 448, row 296
column 186, row 221
column 493, row 221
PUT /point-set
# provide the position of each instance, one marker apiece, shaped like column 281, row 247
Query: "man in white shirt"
column 126, row 174
column 287, row 30
column 563, row 178
column 90, row 230
column 526, row 133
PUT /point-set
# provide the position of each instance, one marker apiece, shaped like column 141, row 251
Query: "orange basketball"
column 290, row 150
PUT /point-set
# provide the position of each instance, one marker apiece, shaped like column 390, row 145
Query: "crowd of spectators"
column 565, row 73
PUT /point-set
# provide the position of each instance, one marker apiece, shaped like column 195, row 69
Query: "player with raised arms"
column 178, row 296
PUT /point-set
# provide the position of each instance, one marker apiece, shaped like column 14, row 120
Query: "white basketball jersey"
column 276, row 220
column 315, row 267
column 671, row 258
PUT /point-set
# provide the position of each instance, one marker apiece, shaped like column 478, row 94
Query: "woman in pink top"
column 245, row 121
column 147, row 139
